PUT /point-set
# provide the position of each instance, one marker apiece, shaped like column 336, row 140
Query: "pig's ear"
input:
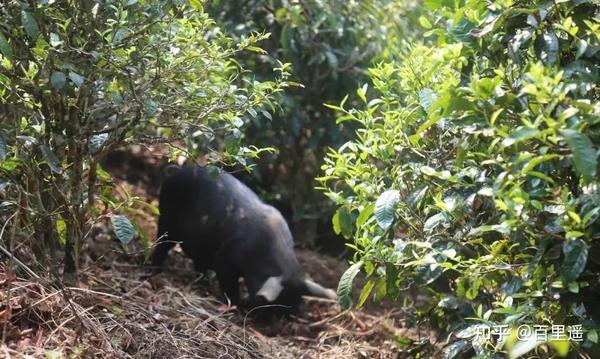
column 271, row 289
column 317, row 290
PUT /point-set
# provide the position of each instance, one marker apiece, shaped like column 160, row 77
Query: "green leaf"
column 333, row 107
column 416, row 197
column 5, row 47
column 437, row 219
column 486, row 191
column 517, row 41
column 576, row 253
column 584, row 155
column 119, row 35
column 461, row 31
column 568, row 113
column 581, row 48
column 504, row 228
column 364, row 294
column 332, row 59
column 286, row 40
column 523, row 346
column 3, row 148
column 256, row 49
column 449, row 302
column 427, row 273
column 123, row 228
column 520, row 135
column 55, row 40
column 344, row 289
column 391, row 276
column 10, row 164
column 362, row 93
column 546, row 47
column 592, row 336
column 432, row 120
column 426, row 170
column 76, row 78
column 267, row 114
column 425, row 22
column 512, row 286
column 41, row 47
column 385, row 208
column 436, row 4
column 582, row 70
column 197, row 5
column 381, row 290
column 495, row 116
column 342, row 222
column 30, row 24
column 97, row 141
column 51, row 159
column 426, row 98
column 153, row 209
column 574, row 287
column 61, row 229
column 364, row 215
column 454, row 349
column 536, row 161
column 591, row 216
column 58, row 80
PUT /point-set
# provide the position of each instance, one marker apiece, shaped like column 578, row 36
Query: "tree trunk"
column 74, row 214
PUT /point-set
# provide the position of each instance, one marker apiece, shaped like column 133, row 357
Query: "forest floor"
column 119, row 311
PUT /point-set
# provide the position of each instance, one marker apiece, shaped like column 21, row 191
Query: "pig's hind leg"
column 202, row 264
column 228, row 278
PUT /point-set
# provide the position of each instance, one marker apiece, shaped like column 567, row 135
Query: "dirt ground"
column 119, row 311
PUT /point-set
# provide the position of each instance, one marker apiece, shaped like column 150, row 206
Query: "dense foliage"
column 78, row 79
column 474, row 175
column 329, row 45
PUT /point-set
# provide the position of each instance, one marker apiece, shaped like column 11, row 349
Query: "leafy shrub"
column 474, row 174
column 77, row 80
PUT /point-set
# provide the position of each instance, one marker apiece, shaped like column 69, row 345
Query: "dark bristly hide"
column 222, row 225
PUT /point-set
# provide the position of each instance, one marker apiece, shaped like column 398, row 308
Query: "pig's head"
column 288, row 292
column 272, row 252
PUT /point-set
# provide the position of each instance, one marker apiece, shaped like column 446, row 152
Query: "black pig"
column 222, row 225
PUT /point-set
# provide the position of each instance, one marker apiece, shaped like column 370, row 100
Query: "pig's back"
column 193, row 186
column 203, row 202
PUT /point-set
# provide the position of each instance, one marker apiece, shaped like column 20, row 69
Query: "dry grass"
column 116, row 313
column 38, row 319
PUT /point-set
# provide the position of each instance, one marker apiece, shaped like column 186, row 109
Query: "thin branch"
column 10, row 255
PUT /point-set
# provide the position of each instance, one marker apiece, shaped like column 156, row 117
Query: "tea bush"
column 80, row 78
column 474, row 175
